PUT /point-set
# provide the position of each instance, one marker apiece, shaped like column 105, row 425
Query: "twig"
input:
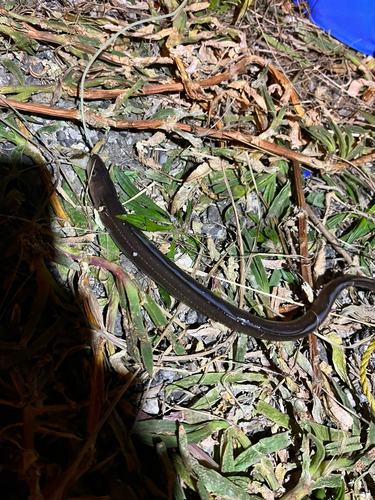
column 302, row 225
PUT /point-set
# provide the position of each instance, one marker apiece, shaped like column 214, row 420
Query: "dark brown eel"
column 180, row 285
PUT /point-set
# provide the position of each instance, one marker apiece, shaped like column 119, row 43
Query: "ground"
column 241, row 140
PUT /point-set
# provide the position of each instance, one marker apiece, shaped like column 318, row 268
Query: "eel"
column 148, row 259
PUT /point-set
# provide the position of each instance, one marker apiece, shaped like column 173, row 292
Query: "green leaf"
column 132, row 339
column 316, row 199
column 147, row 356
column 269, row 193
column 164, row 113
column 323, row 136
column 272, row 235
column 185, row 474
column 363, row 228
column 50, row 129
column 340, row 138
column 263, row 180
column 339, row 493
column 241, row 348
column 348, row 445
column 318, row 457
column 22, row 41
column 275, row 278
column 215, row 378
column 209, row 399
column 339, row 357
column 289, row 277
column 324, row 433
column 156, row 314
column 122, row 98
column 74, row 214
column 138, row 332
column 265, row 94
column 369, row 117
column 109, row 249
column 151, row 431
column 355, row 129
column 334, row 221
column 259, row 273
column 143, row 223
column 211, row 479
column 13, row 69
column 248, row 239
column 261, row 449
column 90, row 41
column 266, row 470
column 331, row 481
column 141, row 204
column 370, row 442
column 357, row 151
column 273, row 414
column 349, row 139
column 214, row 4
column 226, row 446
column 281, row 201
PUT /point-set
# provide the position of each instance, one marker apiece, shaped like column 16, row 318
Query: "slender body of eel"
column 184, row 288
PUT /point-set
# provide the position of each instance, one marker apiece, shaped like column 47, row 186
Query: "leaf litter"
column 218, row 98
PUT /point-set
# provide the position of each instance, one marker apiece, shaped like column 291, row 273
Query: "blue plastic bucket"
column 350, row 21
